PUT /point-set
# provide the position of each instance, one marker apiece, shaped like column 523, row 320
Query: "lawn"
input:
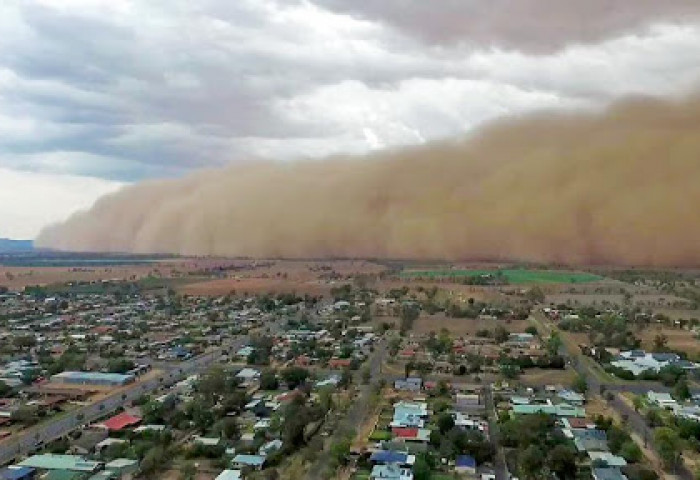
column 514, row 276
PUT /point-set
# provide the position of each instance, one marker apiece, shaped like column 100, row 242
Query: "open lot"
column 464, row 326
column 683, row 340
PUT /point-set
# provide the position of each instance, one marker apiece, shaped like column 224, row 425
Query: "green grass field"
column 514, row 276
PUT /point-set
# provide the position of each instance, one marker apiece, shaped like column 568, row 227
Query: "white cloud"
column 30, row 201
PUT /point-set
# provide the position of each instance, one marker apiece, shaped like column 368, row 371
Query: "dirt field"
column 464, row 326
column 682, row 340
column 537, row 377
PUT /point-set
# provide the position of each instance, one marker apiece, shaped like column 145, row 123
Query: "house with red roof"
column 411, row 434
column 339, row 363
column 120, row 422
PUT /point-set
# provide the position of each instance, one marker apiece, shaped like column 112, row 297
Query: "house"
column 610, row 473
column 248, row 375
column 590, row 440
column 409, row 414
column 14, row 472
column 661, row 399
column 571, row 397
column 390, row 472
column 270, row 447
column 123, row 467
column 608, row 458
column 87, row 441
column 230, row 475
column 384, row 457
column 465, row 465
column 339, row 363
column 560, row 410
column 411, row 434
column 639, row 361
column 73, row 463
column 120, row 422
column 410, row 384
column 253, row 461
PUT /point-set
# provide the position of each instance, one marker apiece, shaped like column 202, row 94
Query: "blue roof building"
column 243, row 460
column 391, row 456
column 15, row 472
column 465, row 464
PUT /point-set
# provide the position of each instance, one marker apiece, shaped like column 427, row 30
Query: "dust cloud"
column 615, row 187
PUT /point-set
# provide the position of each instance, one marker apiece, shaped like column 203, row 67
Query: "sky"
column 95, row 95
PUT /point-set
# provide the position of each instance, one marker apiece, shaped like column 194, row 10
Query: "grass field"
column 514, row 276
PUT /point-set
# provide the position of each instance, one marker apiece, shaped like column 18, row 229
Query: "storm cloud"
column 614, row 187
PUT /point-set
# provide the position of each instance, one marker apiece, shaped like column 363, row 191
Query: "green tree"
column 668, row 445
column 421, row 468
column 681, row 392
column 500, row 334
column 5, row 389
column 268, row 380
column 638, row 402
column 155, row 458
column 294, row 376
column 580, row 384
column 631, row 452
column 562, row 461
column 531, row 461
column 445, row 423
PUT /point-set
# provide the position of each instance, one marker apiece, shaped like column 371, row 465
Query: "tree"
column 421, row 468
column 535, row 295
column 631, row 452
column 188, row 471
column 340, row 452
column 562, row 461
column 294, row 376
column 154, row 459
column 409, row 313
column 345, row 378
column 668, row 445
column 445, row 423
column 638, row 402
column 268, row 380
column 500, row 334
column 25, row 342
column 554, row 343
column 580, row 384
column 26, row 415
column 660, row 342
column 366, row 375
column 531, row 461
column 5, row 389
column 681, row 392
column 119, row 365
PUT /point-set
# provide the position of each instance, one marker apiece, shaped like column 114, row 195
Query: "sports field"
column 514, row 276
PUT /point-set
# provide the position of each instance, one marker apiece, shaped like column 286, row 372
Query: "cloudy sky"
column 95, row 94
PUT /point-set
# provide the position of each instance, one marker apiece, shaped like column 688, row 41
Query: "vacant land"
column 464, row 326
column 538, row 376
column 678, row 339
column 514, row 276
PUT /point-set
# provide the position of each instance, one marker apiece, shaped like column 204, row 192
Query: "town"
column 353, row 370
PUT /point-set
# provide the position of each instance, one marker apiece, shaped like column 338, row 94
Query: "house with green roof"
column 559, row 410
column 72, row 463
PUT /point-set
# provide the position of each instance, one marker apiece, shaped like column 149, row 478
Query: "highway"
column 33, row 438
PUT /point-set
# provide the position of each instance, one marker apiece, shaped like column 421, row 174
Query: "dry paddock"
column 464, row 326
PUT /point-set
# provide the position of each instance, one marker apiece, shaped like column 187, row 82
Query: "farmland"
column 513, row 276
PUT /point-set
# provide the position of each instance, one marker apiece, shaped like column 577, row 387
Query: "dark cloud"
column 128, row 90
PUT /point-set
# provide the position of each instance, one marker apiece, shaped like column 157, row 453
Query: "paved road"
column 500, row 466
column 356, row 413
column 34, row 438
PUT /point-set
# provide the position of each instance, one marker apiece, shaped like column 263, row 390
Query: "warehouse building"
column 93, row 378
